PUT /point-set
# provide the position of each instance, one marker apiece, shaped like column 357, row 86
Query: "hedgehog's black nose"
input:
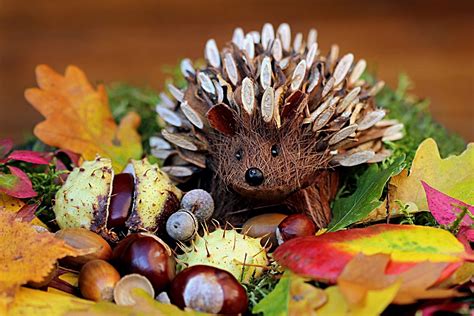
column 254, row 176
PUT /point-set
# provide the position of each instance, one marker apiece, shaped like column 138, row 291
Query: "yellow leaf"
column 25, row 255
column 374, row 303
column 145, row 306
column 9, row 203
column 452, row 176
column 78, row 118
column 304, row 298
column 14, row 205
column 35, row 302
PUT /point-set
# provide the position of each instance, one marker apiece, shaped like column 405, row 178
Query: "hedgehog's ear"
column 222, row 118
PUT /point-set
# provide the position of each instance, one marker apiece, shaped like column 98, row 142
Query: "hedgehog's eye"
column 275, row 150
column 238, row 154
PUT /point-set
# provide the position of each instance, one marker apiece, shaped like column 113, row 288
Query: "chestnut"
column 84, row 239
column 123, row 289
column 148, row 255
column 208, row 289
column 97, row 280
column 120, row 200
column 295, row 225
column 263, row 225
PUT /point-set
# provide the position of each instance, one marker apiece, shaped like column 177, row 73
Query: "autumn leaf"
column 367, row 273
column 291, row 296
column 324, row 257
column 452, row 176
column 78, row 118
column 145, row 305
column 363, row 274
column 6, row 146
column 16, row 183
column 36, row 302
column 22, row 255
column 30, row 156
column 10, row 204
column 374, row 303
column 448, row 211
column 366, row 198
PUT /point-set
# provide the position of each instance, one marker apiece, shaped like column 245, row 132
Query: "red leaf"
column 324, row 257
column 21, row 186
column 6, row 146
column 443, row 207
column 62, row 154
column 29, row 156
column 27, row 212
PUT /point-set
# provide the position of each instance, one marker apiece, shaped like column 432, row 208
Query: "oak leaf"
column 25, row 255
column 78, row 118
column 453, row 176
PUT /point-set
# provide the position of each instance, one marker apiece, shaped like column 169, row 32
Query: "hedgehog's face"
column 264, row 168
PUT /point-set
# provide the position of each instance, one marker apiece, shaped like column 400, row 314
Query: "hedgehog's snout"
column 254, row 176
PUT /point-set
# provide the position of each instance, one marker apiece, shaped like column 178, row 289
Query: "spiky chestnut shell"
column 270, row 115
column 84, row 200
column 241, row 255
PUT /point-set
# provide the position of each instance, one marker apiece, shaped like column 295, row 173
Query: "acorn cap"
column 123, row 291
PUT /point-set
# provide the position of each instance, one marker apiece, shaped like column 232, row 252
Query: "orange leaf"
column 25, row 255
column 367, row 273
column 78, row 118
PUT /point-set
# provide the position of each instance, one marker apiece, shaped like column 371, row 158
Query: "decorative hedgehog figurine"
column 269, row 120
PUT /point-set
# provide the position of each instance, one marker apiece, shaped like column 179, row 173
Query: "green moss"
column 124, row 98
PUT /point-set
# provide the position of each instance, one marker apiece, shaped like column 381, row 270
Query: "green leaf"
column 351, row 209
column 277, row 302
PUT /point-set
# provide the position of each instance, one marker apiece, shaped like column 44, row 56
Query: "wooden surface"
column 133, row 40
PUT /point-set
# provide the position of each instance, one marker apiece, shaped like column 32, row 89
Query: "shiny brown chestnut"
column 121, row 200
column 295, row 225
column 208, row 289
column 148, row 255
column 264, row 225
column 97, row 280
column 84, row 239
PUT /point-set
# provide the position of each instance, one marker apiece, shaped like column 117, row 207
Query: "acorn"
column 182, row 226
column 264, row 226
column 97, row 280
column 81, row 238
column 123, row 294
column 147, row 255
column 91, row 197
column 200, row 203
column 295, row 225
column 208, row 289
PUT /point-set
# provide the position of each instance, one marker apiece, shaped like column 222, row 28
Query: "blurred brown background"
column 132, row 40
